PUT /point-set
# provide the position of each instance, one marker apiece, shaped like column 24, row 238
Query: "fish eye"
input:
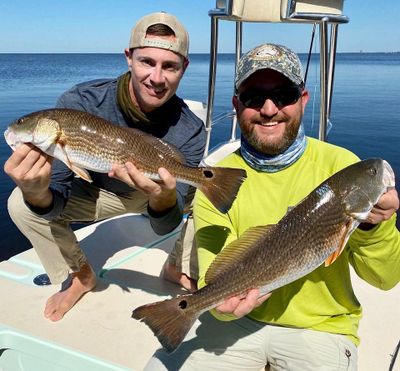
column 372, row 171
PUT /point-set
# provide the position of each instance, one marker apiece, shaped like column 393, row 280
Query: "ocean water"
column 364, row 116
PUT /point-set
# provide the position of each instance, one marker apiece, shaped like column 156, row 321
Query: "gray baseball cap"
column 138, row 35
column 272, row 56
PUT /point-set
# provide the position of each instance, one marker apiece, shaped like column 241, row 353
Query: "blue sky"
column 56, row 26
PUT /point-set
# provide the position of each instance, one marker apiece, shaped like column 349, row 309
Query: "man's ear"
column 304, row 98
column 235, row 102
column 128, row 57
column 185, row 64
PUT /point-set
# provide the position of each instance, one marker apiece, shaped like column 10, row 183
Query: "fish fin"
column 234, row 252
column 53, row 130
column 331, row 258
column 166, row 149
column 221, row 185
column 170, row 320
column 348, row 228
column 48, row 123
column 81, row 172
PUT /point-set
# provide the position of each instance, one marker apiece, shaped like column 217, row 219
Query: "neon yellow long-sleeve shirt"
column 324, row 299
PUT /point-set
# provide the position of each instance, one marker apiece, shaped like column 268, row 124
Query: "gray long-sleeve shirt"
column 176, row 124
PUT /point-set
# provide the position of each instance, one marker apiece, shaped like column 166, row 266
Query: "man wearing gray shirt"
column 48, row 196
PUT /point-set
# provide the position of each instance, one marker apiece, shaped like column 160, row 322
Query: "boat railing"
column 324, row 13
column 222, row 116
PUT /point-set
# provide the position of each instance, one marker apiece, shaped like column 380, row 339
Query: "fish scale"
column 114, row 144
column 87, row 142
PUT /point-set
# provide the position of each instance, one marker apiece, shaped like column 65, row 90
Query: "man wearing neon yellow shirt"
column 310, row 324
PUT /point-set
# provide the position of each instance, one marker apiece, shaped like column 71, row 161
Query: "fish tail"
column 221, row 185
column 170, row 320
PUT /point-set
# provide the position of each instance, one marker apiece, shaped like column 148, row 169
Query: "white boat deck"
column 99, row 333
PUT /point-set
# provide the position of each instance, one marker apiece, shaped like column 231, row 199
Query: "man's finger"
column 141, row 181
column 167, row 178
column 32, row 158
column 42, row 165
column 17, row 157
column 246, row 305
column 229, row 305
column 389, row 200
column 263, row 298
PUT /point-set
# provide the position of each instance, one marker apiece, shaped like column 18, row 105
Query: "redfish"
column 268, row 257
column 86, row 142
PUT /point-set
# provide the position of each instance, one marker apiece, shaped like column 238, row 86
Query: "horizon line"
column 338, row 52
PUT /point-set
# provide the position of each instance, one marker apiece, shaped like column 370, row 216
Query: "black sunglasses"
column 281, row 97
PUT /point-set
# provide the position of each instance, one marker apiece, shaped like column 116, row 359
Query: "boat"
column 99, row 334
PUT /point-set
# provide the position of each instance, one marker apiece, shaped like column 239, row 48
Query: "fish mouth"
column 10, row 138
column 388, row 175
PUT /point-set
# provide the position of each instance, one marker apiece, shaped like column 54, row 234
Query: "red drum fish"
column 86, row 142
column 268, row 257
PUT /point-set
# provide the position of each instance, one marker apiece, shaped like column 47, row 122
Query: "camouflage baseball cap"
column 272, row 56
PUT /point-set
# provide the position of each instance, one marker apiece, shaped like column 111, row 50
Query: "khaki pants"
column 249, row 345
column 54, row 241
column 184, row 253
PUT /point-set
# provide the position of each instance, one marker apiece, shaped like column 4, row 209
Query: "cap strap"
column 160, row 43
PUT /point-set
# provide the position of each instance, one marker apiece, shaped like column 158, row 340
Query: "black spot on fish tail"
column 183, row 304
column 170, row 320
column 221, row 185
column 208, row 173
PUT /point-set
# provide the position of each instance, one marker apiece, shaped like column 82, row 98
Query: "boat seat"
column 276, row 10
column 198, row 108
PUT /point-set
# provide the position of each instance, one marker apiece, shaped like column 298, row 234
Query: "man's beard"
column 269, row 148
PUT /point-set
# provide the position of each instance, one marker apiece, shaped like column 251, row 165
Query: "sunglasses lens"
column 252, row 99
column 288, row 96
column 281, row 97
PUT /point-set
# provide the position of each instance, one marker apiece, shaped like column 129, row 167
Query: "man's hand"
column 240, row 306
column 30, row 169
column 386, row 206
column 162, row 194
